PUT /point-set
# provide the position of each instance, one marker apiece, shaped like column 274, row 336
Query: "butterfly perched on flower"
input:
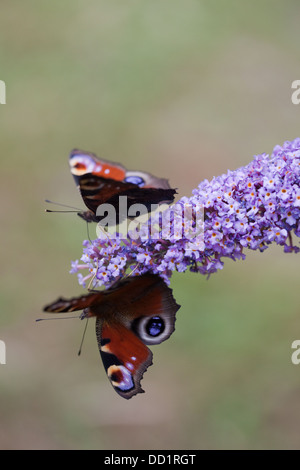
column 136, row 312
column 103, row 182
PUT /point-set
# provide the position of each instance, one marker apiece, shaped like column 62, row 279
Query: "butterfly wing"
column 152, row 311
column 146, row 180
column 125, row 357
column 82, row 162
column 62, row 305
column 96, row 191
column 145, row 314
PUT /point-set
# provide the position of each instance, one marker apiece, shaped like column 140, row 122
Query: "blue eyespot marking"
column 155, row 326
column 135, row 180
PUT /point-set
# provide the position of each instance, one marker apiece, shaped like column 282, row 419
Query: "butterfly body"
column 136, row 312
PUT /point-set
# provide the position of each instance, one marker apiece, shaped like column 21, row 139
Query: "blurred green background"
column 185, row 90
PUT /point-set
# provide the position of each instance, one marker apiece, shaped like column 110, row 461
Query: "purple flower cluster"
column 250, row 207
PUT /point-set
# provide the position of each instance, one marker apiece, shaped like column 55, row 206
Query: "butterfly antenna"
column 56, row 318
column 60, row 212
column 85, row 328
column 62, row 205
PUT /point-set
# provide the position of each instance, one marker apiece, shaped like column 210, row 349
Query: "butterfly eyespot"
column 120, row 377
column 152, row 330
column 155, row 326
column 80, row 166
column 135, row 180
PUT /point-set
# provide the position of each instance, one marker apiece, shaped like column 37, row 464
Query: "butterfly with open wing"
column 135, row 312
column 103, row 182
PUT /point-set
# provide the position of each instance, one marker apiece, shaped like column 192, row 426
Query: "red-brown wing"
column 141, row 298
column 144, row 313
column 82, row 162
column 125, row 357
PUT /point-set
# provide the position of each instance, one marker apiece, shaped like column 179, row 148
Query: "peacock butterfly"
column 135, row 312
column 103, row 182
